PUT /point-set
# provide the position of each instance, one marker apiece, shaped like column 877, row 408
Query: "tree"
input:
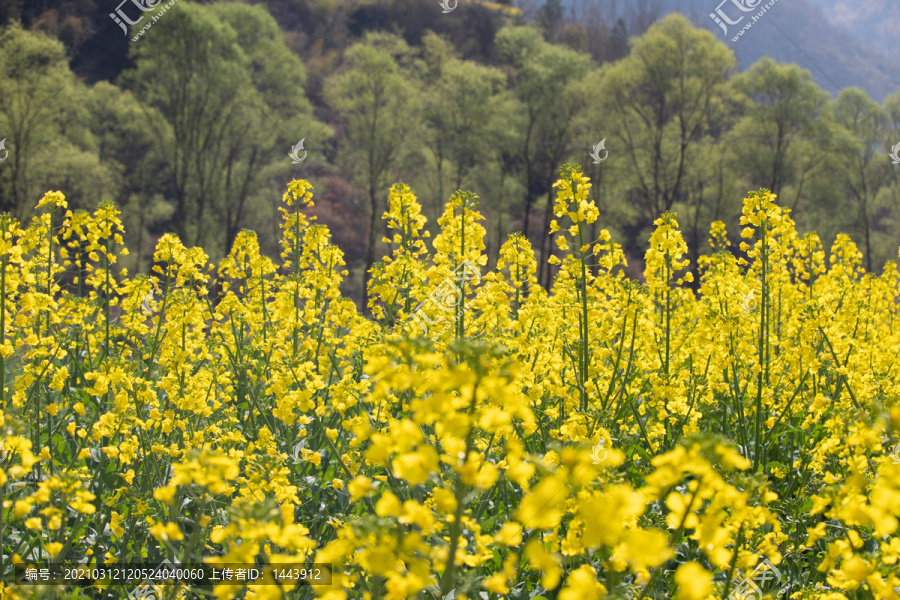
column 379, row 108
column 865, row 168
column 436, row 53
column 493, row 176
column 126, row 134
column 542, row 78
column 776, row 142
column 663, row 94
column 45, row 123
column 232, row 93
column 34, row 72
column 589, row 32
column 892, row 141
column 892, row 106
column 461, row 106
column 550, row 18
column 10, row 10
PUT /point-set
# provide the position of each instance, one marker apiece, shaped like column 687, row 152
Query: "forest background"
column 195, row 124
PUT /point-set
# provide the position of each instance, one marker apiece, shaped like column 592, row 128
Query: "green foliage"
column 664, row 95
column 193, row 136
column 42, row 119
column 222, row 77
column 784, row 116
column 380, row 108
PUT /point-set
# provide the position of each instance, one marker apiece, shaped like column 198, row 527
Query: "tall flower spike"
column 293, row 223
column 396, row 284
column 55, row 199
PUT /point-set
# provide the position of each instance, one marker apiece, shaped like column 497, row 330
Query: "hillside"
column 478, row 104
column 842, row 43
column 874, row 24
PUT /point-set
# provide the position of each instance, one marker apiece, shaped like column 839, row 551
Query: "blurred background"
column 194, row 118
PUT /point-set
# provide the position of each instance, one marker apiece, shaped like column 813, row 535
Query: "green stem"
column 737, row 547
column 668, row 309
column 761, row 350
column 3, row 263
column 461, row 307
column 455, row 527
column 584, row 313
column 677, row 540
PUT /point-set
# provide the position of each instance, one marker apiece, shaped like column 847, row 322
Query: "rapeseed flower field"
column 476, row 437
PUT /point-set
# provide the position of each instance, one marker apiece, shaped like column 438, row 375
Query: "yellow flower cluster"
column 729, row 429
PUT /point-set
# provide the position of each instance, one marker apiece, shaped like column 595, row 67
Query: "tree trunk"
column 529, row 176
column 866, row 228
column 500, row 216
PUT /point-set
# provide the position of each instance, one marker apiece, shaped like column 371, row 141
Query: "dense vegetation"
column 609, row 439
column 188, row 128
column 568, row 383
